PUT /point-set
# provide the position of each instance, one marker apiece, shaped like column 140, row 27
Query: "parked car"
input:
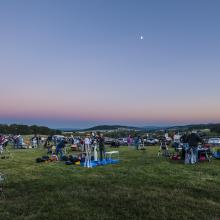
column 214, row 141
column 57, row 138
column 108, row 141
column 151, row 141
column 113, row 142
column 123, row 141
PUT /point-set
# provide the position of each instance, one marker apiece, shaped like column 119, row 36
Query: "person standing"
column 87, row 143
column 101, row 143
column 184, row 140
column 136, row 142
column 60, row 147
column 163, row 147
column 95, row 150
column 193, row 141
column 129, row 140
column 34, row 142
column 82, row 145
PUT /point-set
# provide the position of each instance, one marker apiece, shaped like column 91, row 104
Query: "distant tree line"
column 215, row 128
column 110, row 127
column 121, row 133
column 16, row 129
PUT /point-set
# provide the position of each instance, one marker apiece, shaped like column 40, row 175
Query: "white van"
column 214, row 141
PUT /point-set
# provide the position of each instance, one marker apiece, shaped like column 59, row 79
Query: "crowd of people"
column 92, row 146
column 190, row 143
column 89, row 146
column 18, row 141
column 187, row 145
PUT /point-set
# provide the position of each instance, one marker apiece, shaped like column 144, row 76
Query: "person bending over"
column 60, row 147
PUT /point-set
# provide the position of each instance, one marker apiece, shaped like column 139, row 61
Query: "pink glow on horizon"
column 133, row 114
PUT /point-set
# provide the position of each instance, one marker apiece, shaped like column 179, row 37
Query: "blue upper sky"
column 77, row 63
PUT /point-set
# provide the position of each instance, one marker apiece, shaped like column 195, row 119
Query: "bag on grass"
column 64, row 158
column 73, row 158
column 176, row 156
column 45, row 158
column 68, row 163
column 39, row 160
column 54, row 158
column 202, row 157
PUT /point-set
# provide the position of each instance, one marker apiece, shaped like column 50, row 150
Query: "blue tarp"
column 216, row 155
column 102, row 163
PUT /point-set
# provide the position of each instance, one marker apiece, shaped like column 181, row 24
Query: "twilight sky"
column 78, row 63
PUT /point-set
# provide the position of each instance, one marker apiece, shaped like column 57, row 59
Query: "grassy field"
column 140, row 187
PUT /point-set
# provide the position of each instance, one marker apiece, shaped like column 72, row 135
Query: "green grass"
column 140, row 187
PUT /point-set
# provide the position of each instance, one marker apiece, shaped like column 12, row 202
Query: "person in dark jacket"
column 193, row 141
column 184, row 140
column 101, row 143
column 136, row 142
column 59, row 148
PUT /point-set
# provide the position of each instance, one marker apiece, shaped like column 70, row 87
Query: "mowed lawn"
column 141, row 186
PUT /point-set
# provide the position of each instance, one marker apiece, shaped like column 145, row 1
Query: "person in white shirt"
column 87, row 143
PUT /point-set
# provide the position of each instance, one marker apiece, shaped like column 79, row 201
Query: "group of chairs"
column 187, row 154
